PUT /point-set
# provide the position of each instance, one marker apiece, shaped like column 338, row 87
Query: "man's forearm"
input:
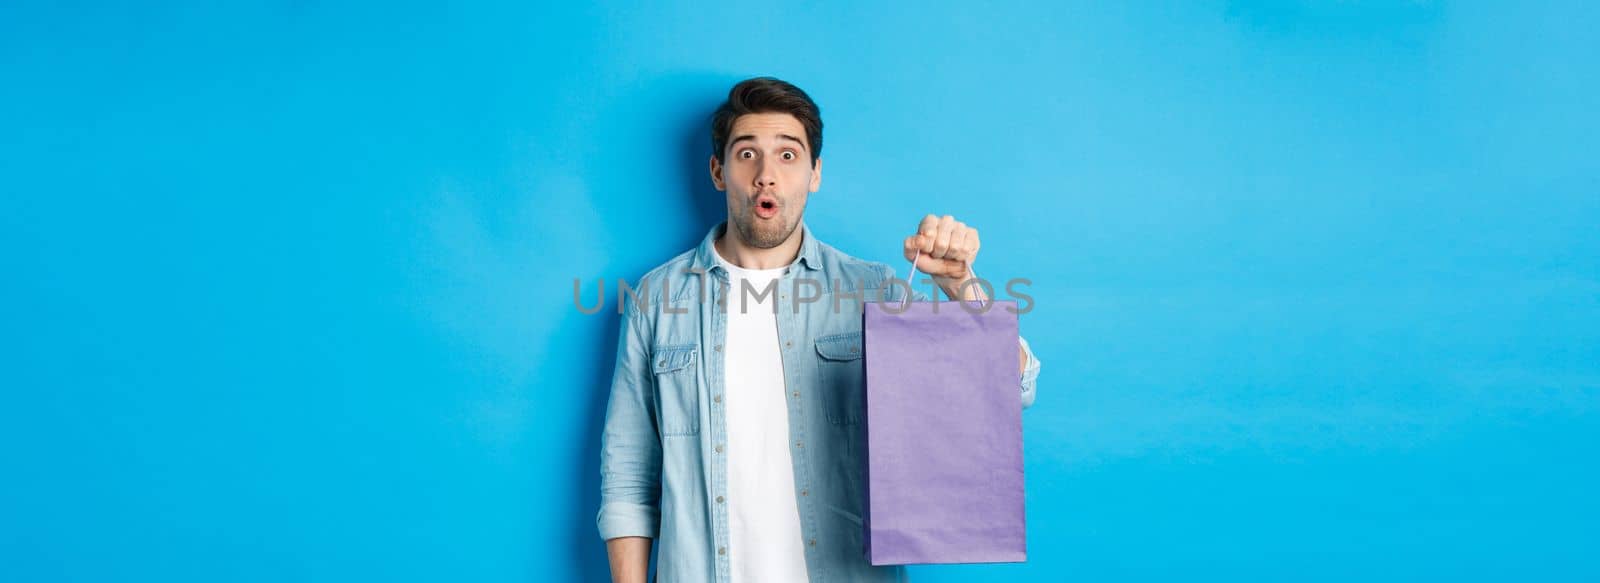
column 630, row 558
column 953, row 288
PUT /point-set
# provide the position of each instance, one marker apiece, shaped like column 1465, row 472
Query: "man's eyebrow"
column 752, row 138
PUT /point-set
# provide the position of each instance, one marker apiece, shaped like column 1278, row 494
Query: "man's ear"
column 816, row 175
column 716, row 173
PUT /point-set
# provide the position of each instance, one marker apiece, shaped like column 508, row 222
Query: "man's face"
column 767, row 175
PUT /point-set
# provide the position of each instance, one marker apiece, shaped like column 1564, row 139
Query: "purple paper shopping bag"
column 944, row 434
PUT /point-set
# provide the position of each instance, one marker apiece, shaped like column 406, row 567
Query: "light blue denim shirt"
column 663, row 474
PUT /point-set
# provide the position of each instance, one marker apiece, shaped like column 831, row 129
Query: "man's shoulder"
column 848, row 272
column 639, row 298
column 671, row 271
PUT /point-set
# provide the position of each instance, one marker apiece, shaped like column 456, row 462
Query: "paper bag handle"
column 911, row 274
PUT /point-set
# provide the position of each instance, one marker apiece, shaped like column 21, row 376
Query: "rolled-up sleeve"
column 1030, row 374
column 630, row 447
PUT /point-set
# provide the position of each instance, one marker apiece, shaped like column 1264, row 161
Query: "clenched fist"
column 947, row 247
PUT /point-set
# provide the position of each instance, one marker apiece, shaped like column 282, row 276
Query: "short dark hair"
column 766, row 95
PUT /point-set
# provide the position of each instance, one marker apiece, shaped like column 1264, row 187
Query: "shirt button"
column 719, row 449
column 719, row 348
column 719, row 499
column 789, row 343
column 722, row 550
column 717, row 399
column 799, row 444
column 805, row 492
column 812, row 542
column 797, row 394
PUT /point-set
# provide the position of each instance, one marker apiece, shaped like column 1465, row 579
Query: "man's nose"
column 766, row 175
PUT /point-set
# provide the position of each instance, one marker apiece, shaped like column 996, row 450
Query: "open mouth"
column 766, row 207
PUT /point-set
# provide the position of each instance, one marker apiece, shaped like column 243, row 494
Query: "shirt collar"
column 705, row 257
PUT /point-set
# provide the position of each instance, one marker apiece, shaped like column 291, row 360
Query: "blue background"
column 288, row 286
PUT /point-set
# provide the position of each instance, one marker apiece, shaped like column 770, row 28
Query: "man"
column 733, row 432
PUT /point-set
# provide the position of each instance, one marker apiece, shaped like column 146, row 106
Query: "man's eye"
column 787, row 155
column 747, row 154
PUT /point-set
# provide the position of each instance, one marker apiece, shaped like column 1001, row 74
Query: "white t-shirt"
column 764, row 543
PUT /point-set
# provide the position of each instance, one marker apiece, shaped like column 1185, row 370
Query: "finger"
column 919, row 246
column 942, row 244
column 929, row 226
column 958, row 244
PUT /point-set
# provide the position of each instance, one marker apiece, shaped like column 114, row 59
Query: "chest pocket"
column 677, row 389
column 844, row 376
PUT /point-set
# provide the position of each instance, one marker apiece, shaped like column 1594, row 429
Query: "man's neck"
column 738, row 253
